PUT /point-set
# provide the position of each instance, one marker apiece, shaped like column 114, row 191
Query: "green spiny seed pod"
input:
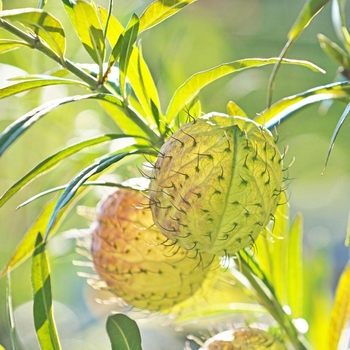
column 129, row 255
column 245, row 338
column 216, row 184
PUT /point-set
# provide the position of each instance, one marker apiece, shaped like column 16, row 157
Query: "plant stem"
column 37, row 44
column 269, row 300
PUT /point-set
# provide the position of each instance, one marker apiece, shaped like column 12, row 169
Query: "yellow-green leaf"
column 190, row 89
column 42, row 24
column 90, row 31
column 7, row 45
column 159, row 10
column 42, row 309
column 295, row 267
column 341, row 309
column 283, row 108
column 234, row 110
column 114, row 29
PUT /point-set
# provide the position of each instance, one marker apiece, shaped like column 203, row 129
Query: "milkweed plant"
column 198, row 228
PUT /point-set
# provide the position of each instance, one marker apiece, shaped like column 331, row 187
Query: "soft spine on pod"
column 129, row 255
column 216, row 184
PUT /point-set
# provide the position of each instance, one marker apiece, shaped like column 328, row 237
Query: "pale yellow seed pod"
column 216, row 184
column 129, row 254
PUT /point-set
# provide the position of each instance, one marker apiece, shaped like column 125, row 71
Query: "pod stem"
column 267, row 298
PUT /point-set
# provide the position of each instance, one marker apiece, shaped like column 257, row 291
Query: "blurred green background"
column 201, row 36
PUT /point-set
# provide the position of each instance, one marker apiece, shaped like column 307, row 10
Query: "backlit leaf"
column 159, row 10
column 114, row 29
column 52, row 161
column 334, row 51
column 341, row 309
column 7, row 45
column 42, row 24
column 42, row 308
column 90, row 31
column 26, row 246
column 234, row 110
column 123, row 333
column 36, row 81
column 188, row 90
column 85, row 174
column 277, row 112
column 129, row 39
column 339, row 22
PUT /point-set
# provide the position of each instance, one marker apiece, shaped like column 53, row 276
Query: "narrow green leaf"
column 42, row 308
column 123, row 333
column 335, row 133
column 50, row 162
column 234, row 110
column 36, row 82
column 295, row 267
column 160, row 10
column 85, row 174
column 11, row 318
column 341, row 309
column 26, row 247
column 90, row 31
column 334, row 51
column 187, row 91
column 42, row 24
column 309, row 11
column 63, row 187
column 129, row 39
column 263, row 254
column 286, row 106
column 16, row 129
column 0, row 5
column 7, row 45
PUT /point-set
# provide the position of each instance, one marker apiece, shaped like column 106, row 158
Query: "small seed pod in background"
column 216, row 184
column 244, row 338
column 129, row 255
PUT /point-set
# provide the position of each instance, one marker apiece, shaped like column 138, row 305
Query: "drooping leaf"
column 308, row 12
column 188, row 90
column 341, row 309
column 16, row 129
column 42, row 307
column 26, row 247
column 234, row 110
column 160, row 10
column 10, row 313
column 36, row 81
column 123, row 333
column 295, row 267
column 335, row 133
column 90, row 31
column 85, row 174
column 286, row 106
column 334, row 51
column 52, row 161
column 129, row 39
column 42, row 24
column 7, row 45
